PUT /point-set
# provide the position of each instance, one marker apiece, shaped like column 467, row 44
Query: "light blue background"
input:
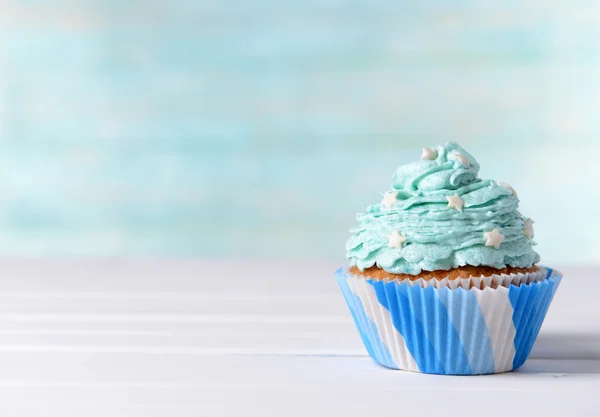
column 258, row 129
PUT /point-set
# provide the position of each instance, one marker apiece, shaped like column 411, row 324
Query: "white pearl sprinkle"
column 461, row 159
column 429, row 154
column 509, row 188
column 494, row 238
column 389, row 199
column 396, row 240
column 528, row 229
column 455, row 202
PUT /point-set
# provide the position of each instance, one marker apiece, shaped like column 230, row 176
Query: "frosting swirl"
column 435, row 234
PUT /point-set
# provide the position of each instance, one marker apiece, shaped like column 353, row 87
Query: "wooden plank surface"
column 163, row 338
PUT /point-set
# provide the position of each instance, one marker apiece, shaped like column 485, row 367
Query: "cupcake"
column 443, row 275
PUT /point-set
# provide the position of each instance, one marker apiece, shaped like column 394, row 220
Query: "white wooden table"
column 194, row 338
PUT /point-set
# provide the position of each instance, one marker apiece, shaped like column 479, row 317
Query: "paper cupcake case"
column 452, row 328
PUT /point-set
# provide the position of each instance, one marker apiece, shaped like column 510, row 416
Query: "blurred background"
column 235, row 129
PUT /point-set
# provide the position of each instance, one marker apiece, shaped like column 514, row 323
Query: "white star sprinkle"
column 389, row 199
column 494, row 238
column 528, row 229
column 509, row 188
column 396, row 240
column 461, row 159
column 456, row 202
column 429, row 154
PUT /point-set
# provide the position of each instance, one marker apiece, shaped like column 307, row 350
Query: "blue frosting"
column 440, row 237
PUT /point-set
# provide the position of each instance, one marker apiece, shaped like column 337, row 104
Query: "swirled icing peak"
column 440, row 215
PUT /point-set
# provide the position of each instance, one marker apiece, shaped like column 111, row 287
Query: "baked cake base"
column 461, row 272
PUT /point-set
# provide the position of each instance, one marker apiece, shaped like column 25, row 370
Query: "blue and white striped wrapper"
column 443, row 330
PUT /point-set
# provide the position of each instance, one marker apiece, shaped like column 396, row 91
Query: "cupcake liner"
column 493, row 281
column 443, row 330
